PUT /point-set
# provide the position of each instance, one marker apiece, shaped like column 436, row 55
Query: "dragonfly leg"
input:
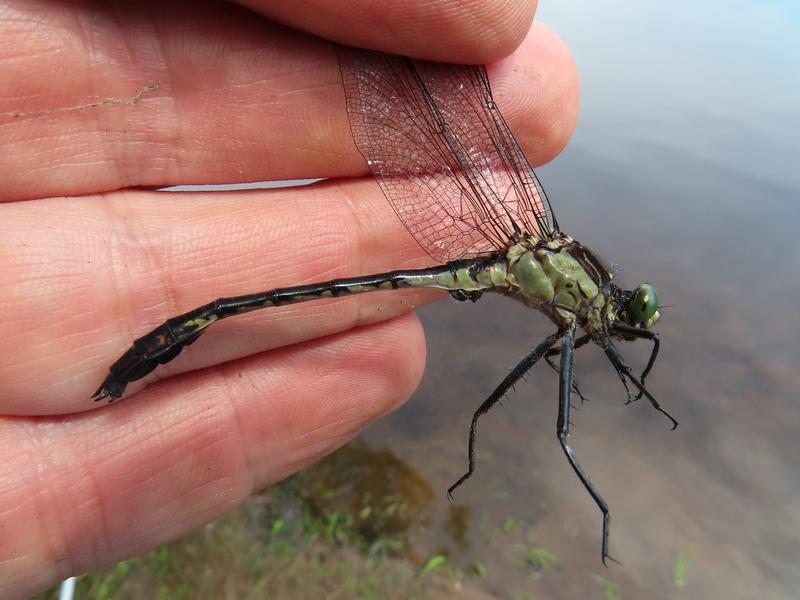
column 562, row 429
column 508, row 382
column 636, row 332
column 621, row 375
column 582, row 341
column 622, row 367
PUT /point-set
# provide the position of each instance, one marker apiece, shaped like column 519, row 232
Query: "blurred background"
column 684, row 171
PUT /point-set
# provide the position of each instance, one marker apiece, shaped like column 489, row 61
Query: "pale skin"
column 89, row 259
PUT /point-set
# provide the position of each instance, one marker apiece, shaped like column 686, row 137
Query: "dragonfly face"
column 641, row 308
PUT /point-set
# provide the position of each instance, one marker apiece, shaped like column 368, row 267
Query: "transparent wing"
column 442, row 153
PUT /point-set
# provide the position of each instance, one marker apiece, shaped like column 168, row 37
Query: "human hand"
column 88, row 262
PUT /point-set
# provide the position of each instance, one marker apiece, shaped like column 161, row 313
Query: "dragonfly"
column 448, row 163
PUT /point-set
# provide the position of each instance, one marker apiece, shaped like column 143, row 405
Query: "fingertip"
column 479, row 33
column 537, row 88
column 459, row 31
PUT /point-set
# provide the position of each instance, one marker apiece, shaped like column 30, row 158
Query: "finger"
column 238, row 99
column 83, row 278
column 469, row 31
column 92, row 489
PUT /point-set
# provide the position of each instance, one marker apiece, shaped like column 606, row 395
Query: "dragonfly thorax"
column 558, row 276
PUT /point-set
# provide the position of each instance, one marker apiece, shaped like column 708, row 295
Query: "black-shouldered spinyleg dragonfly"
column 449, row 165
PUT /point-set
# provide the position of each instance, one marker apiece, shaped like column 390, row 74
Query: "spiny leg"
column 622, row 367
column 621, row 375
column 581, row 341
column 636, row 332
column 575, row 388
column 562, row 429
column 515, row 375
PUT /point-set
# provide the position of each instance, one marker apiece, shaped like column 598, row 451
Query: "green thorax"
column 556, row 274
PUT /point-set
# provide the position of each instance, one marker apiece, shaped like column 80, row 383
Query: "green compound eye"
column 643, row 305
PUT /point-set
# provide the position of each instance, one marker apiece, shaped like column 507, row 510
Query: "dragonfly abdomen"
column 166, row 341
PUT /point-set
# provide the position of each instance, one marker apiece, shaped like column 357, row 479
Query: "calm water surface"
column 685, row 172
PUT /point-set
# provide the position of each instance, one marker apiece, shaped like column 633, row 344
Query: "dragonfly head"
column 640, row 306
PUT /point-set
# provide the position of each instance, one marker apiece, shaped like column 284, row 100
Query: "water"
column 684, row 172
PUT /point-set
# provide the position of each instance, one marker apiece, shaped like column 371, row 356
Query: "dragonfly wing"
column 442, row 153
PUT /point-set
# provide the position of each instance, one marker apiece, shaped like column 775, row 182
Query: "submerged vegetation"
column 352, row 526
